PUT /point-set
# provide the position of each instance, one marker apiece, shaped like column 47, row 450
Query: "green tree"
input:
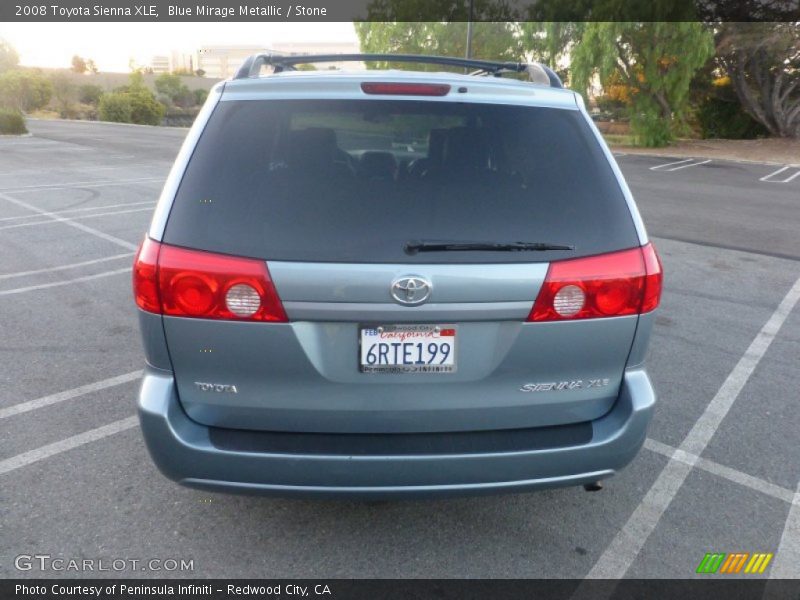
column 91, row 66
column 136, row 80
column 145, row 109
column 135, row 103
column 549, row 42
column 78, row 64
column 11, row 122
column 90, row 94
column 656, row 60
column 64, row 95
column 490, row 41
column 172, row 86
column 200, row 96
column 24, row 90
column 115, row 107
column 763, row 63
column 169, row 84
column 9, row 59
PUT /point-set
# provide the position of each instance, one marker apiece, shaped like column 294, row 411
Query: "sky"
column 111, row 45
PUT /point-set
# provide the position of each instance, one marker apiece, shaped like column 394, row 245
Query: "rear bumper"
column 187, row 452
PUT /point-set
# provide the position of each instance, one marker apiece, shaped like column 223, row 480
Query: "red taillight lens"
column 145, row 280
column 608, row 285
column 406, row 89
column 192, row 283
column 653, row 280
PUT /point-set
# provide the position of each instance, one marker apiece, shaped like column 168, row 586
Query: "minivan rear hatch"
column 328, row 194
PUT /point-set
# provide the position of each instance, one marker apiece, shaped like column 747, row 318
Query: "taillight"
column 192, row 283
column 653, row 279
column 607, row 285
column 145, row 279
column 406, row 89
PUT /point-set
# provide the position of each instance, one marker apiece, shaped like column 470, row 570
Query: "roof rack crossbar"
column 253, row 64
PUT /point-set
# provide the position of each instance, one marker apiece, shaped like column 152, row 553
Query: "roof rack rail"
column 537, row 73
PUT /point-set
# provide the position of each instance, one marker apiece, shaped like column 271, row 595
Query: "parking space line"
column 90, row 216
column 90, row 170
column 126, row 166
column 682, row 164
column 787, row 557
column 83, row 209
column 70, row 222
column 677, row 162
column 44, row 286
column 715, row 468
column 65, row 267
column 629, row 541
column 79, row 184
column 33, row 456
column 23, row 407
column 697, row 164
column 769, row 178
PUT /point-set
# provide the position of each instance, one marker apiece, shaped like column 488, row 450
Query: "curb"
column 105, row 123
column 634, row 152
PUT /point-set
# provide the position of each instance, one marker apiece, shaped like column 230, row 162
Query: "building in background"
column 160, row 64
column 222, row 61
column 300, row 48
column 183, row 62
column 176, row 61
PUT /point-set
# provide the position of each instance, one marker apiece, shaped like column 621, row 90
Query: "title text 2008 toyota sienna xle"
column 382, row 283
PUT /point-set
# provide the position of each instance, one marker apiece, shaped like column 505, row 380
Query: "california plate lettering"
column 408, row 349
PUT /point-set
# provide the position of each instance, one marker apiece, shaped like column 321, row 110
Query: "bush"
column 64, row 95
column 648, row 126
column 145, row 109
column 172, row 86
column 165, row 100
column 720, row 118
column 136, row 106
column 115, row 107
column 200, row 96
column 90, row 94
column 185, row 99
column 12, row 122
column 180, row 117
column 24, row 90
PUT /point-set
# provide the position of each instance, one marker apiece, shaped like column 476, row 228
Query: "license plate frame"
column 403, row 339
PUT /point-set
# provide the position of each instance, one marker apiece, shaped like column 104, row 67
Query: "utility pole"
column 469, row 28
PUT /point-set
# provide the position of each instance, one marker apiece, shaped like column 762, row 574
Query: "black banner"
column 398, row 10
column 392, row 589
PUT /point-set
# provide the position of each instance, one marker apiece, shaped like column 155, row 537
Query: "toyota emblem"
column 411, row 291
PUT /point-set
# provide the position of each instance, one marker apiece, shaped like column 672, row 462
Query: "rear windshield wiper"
column 415, row 246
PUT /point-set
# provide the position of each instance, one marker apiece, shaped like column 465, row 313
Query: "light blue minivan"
column 385, row 283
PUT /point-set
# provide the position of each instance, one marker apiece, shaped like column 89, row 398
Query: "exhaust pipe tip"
column 594, row 486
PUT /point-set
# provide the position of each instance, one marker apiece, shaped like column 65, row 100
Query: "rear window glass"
column 355, row 180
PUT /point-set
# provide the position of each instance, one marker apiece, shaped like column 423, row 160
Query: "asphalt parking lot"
column 719, row 472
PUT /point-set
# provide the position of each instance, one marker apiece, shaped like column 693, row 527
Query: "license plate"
column 408, row 349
